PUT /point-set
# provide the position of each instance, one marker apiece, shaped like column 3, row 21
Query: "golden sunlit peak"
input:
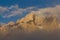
column 11, row 23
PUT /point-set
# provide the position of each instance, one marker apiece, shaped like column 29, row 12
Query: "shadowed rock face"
column 29, row 29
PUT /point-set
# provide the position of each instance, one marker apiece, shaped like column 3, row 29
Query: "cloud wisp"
column 13, row 10
column 48, row 11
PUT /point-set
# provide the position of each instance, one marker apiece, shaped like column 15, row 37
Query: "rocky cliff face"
column 47, row 23
column 32, row 22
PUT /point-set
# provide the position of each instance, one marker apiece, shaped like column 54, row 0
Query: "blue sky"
column 22, row 5
column 28, row 3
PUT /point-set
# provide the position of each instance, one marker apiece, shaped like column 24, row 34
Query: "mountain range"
column 31, row 23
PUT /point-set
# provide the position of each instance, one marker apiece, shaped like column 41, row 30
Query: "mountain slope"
column 32, row 22
column 48, row 23
column 31, row 26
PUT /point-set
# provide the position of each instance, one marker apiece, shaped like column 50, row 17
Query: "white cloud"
column 15, row 10
column 3, row 9
column 10, row 11
column 48, row 11
column 14, row 13
column 14, row 6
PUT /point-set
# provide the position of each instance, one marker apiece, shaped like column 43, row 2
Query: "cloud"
column 14, row 13
column 48, row 11
column 14, row 6
column 3, row 9
column 14, row 10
